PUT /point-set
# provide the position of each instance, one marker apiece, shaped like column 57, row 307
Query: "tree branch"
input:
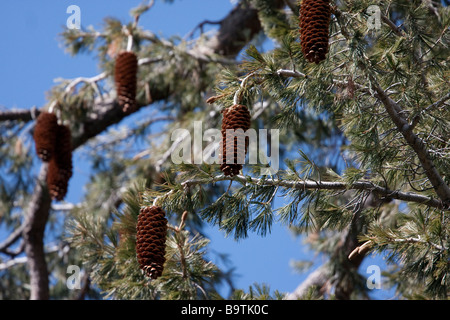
column 12, row 238
column 396, row 114
column 319, row 185
column 435, row 105
column 33, row 234
column 399, row 32
column 19, row 115
column 10, row 263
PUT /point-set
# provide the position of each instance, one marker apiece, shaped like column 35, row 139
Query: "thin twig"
column 144, row 8
column 435, row 105
column 238, row 94
column 392, row 25
column 418, row 240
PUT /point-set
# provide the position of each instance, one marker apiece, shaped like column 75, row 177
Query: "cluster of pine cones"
column 125, row 78
column 53, row 145
column 151, row 233
column 315, row 16
column 152, row 224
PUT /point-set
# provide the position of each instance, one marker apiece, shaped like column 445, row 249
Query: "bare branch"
column 92, row 81
column 140, row 10
column 33, row 234
column 19, row 115
column 13, row 262
column 12, row 238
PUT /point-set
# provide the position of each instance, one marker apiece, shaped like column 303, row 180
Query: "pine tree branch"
column 435, row 105
column 19, row 115
column 396, row 114
column 13, row 262
column 317, row 185
column 399, row 32
column 418, row 240
column 12, row 238
column 237, row 28
column 142, row 9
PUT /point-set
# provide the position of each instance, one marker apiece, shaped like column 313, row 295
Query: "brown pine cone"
column 125, row 77
column 151, row 231
column 234, row 117
column 315, row 16
column 45, row 135
column 60, row 165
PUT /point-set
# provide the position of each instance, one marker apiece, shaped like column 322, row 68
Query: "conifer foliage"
column 315, row 16
column 360, row 113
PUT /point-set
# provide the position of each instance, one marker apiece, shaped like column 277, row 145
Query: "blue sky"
column 31, row 58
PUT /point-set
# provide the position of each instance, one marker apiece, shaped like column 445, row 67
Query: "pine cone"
column 235, row 117
column 60, row 165
column 315, row 16
column 125, row 77
column 151, row 240
column 45, row 135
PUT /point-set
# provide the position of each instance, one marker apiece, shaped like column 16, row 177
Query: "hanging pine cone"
column 45, row 135
column 60, row 165
column 125, row 77
column 235, row 117
column 151, row 240
column 315, row 16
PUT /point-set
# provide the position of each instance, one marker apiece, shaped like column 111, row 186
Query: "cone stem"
column 237, row 95
column 130, row 41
